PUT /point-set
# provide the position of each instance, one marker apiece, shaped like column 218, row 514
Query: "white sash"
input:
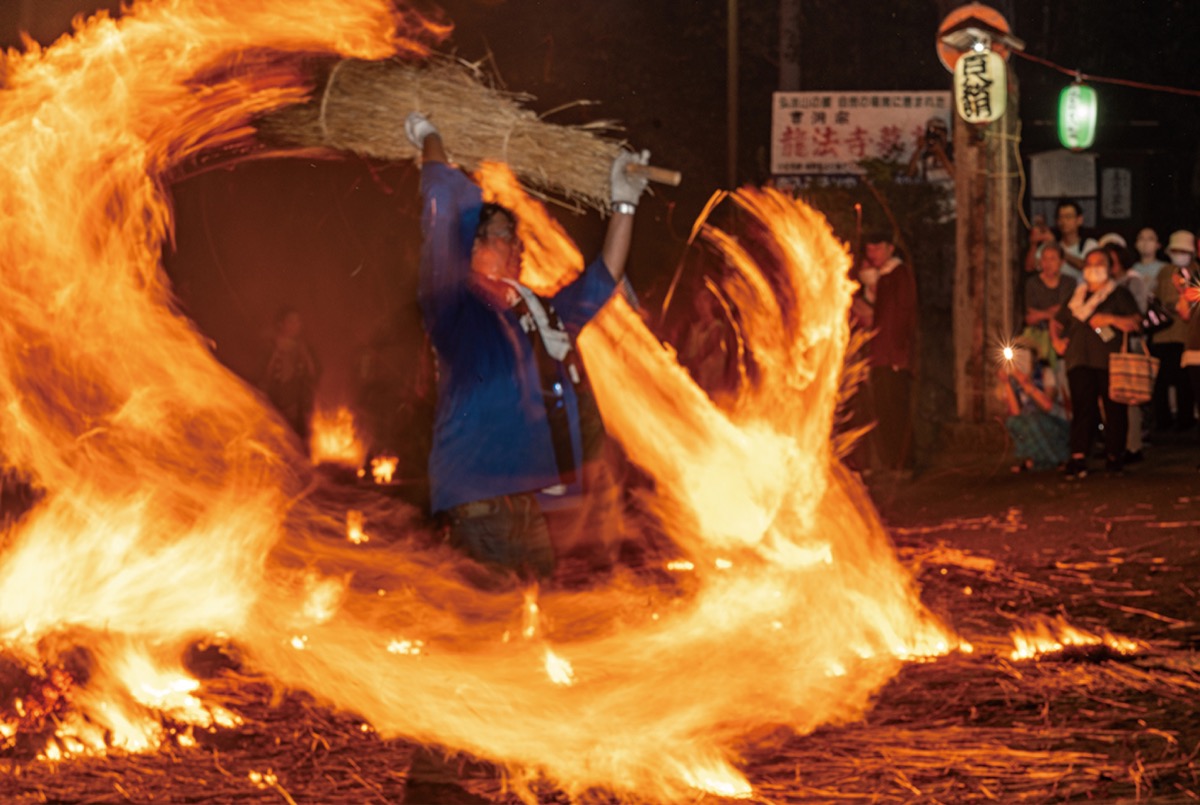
column 557, row 342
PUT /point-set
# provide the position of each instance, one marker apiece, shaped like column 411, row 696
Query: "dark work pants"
column 1170, row 375
column 507, row 532
column 892, row 393
column 1089, row 388
column 586, row 530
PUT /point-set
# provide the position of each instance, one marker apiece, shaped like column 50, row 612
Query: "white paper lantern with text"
column 980, row 86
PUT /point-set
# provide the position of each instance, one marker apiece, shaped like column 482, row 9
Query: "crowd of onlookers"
column 1084, row 299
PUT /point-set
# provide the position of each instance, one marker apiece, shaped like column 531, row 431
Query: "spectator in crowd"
column 892, row 350
column 933, row 156
column 1121, row 257
column 1189, row 296
column 1167, row 344
column 706, row 350
column 1091, row 325
column 1037, row 421
column 290, row 373
column 1148, row 265
column 1045, row 293
column 1068, row 218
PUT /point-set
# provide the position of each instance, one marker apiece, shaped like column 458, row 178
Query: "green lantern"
column 1077, row 117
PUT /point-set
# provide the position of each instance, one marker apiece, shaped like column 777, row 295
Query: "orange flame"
column 172, row 507
column 383, row 468
column 335, row 439
column 1050, row 636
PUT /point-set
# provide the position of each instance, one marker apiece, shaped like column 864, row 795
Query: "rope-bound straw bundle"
column 362, row 106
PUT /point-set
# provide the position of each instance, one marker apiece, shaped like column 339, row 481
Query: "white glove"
column 418, row 127
column 627, row 187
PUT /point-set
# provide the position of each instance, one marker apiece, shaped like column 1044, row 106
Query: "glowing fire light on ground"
column 383, row 468
column 1049, row 637
column 172, row 505
column 335, row 439
column 354, row 527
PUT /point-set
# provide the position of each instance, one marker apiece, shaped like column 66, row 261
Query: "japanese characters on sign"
column 1116, row 193
column 980, row 86
column 832, row 132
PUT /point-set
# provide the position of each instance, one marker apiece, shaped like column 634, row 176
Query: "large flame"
column 172, row 505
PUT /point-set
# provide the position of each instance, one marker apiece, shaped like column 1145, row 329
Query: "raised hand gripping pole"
column 655, row 174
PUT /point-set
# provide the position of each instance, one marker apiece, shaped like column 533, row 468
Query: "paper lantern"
column 1077, row 115
column 980, row 86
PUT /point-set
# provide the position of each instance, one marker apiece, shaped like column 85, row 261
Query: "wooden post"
column 789, row 45
column 968, row 269
column 986, row 270
column 731, row 96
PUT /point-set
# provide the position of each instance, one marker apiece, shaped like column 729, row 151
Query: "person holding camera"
column 932, row 159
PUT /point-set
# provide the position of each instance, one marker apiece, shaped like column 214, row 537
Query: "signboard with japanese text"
column 1116, row 194
column 831, row 132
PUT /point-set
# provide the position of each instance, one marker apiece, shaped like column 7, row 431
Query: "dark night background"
column 337, row 240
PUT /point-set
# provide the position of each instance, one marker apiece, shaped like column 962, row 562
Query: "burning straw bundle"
column 362, row 106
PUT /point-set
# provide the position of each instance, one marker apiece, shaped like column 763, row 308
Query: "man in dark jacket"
column 892, row 350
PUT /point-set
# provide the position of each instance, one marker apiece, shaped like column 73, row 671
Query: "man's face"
column 1147, row 244
column 497, row 251
column 1068, row 220
column 1051, row 263
column 879, row 253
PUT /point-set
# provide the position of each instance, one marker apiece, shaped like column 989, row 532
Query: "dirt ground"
column 995, row 552
column 979, row 504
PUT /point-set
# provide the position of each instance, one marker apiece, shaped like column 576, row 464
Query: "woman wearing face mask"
column 1089, row 330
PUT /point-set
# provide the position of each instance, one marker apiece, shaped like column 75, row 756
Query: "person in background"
column 860, row 413
column 706, row 351
column 1120, row 257
column 1037, row 421
column 1091, row 325
column 1167, row 344
column 1189, row 297
column 1148, row 265
column 933, row 158
column 892, row 350
column 1045, row 293
column 517, row 431
column 1068, row 218
column 290, row 373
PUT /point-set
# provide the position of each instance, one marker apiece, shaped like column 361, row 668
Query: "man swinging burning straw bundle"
column 518, row 469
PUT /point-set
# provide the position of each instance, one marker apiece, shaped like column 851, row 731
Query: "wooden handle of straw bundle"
column 655, row 174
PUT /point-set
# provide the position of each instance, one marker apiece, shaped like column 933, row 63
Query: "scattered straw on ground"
column 1080, row 725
